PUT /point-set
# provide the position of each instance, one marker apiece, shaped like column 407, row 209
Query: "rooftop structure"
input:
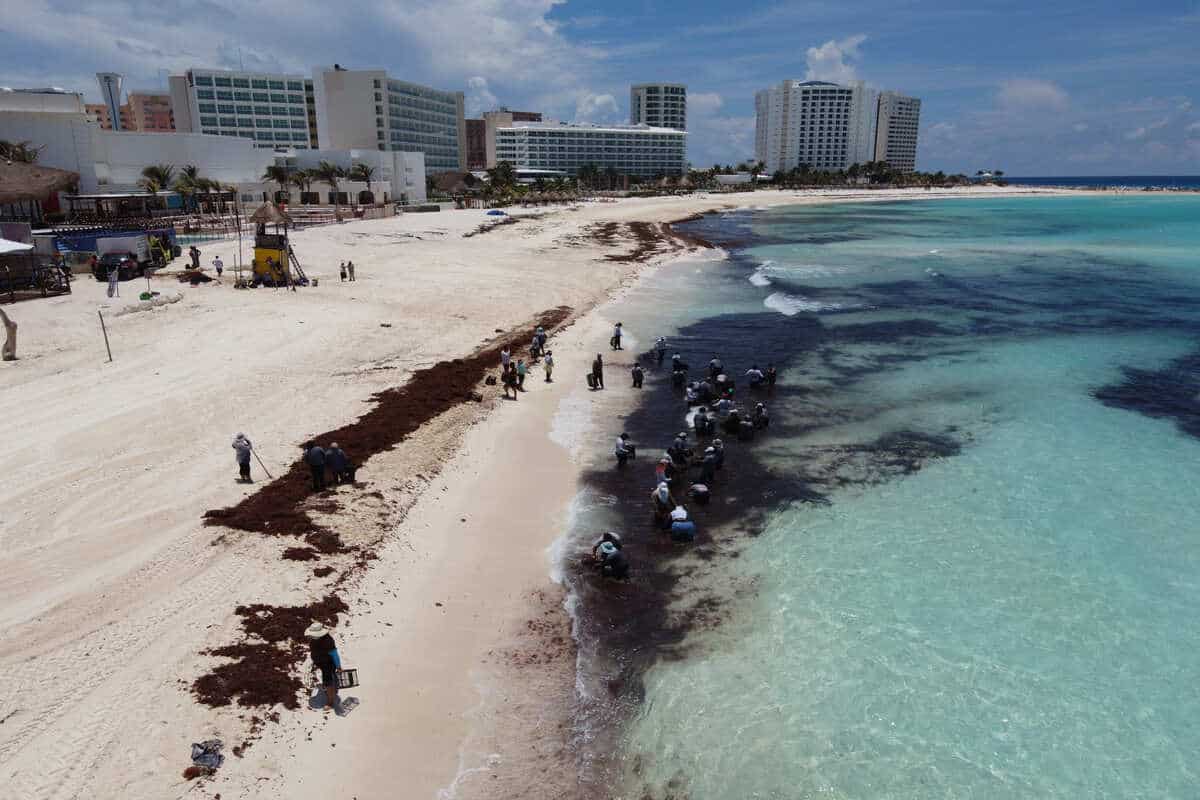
column 659, row 105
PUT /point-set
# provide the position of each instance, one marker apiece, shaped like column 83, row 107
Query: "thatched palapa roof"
column 270, row 214
column 20, row 181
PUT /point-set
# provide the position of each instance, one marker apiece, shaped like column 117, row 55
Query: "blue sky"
column 1034, row 88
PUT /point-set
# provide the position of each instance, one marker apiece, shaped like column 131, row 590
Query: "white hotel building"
column 367, row 109
column 565, row 147
column 272, row 110
column 896, row 131
column 827, row 126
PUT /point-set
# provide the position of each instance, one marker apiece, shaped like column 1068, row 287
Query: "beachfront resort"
column 570, row 412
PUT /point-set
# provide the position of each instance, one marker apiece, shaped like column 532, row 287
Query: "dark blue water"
column 1113, row 181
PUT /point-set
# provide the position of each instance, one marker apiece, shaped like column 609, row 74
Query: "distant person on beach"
column 664, row 504
column 350, row 270
column 611, row 560
column 715, row 367
column 771, row 375
column 755, row 375
column 510, row 380
column 540, row 336
column 610, row 538
column 719, row 451
column 660, row 348
column 623, row 449
column 702, row 422
column 342, row 270
column 760, row 418
column 194, row 252
column 521, row 374
column 323, row 651
column 638, row 376
column 548, row 366
column 708, row 465
column 598, row 371
column 114, row 281
column 678, row 364
column 615, row 342
column 218, row 265
column 505, row 357
column 242, row 448
column 314, row 456
column 338, row 464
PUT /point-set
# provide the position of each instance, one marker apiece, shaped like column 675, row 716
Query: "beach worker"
column 682, row 528
column 598, row 371
column 624, row 450
column 535, row 350
column 745, row 431
column 548, row 366
column 338, row 464
column 701, row 422
column 660, row 348
column 218, row 265
column 615, row 342
column 350, row 270
column 719, row 451
column 760, row 418
column 114, row 281
column 521, row 374
column 662, row 470
column 510, row 380
column 700, row 494
column 540, row 336
column 771, row 375
column 608, row 538
column 755, row 375
column 342, row 271
column 194, row 252
column 242, row 448
column 314, row 456
column 638, row 376
column 325, row 657
column 708, row 465
column 723, row 407
column 611, row 560
column 664, row 503
column 715, row 367
column 733, row 422
column 678, row 378
column 505, row 357
column 690, row 395
column 705, row 391
column 678, row 364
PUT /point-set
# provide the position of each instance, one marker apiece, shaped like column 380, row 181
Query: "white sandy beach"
column 110, row 587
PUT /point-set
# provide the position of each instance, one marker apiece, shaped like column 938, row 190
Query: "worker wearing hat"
column 325, row 657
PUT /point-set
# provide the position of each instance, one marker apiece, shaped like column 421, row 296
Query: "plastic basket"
column 347, row 678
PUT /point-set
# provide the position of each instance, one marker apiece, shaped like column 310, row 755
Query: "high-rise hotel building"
column 566, row 147
column 826, row 126
column 273, row 110
column 367, row 109
column 659, row 105
column 896, row 131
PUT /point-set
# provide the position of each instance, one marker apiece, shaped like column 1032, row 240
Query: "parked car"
column 126, row 264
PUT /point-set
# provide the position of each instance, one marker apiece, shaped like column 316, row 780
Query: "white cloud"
column 1194, row 127
column 828, row 62
column 591, row 107
column 1024, row 94
column 1079, row 127
column 1145, row 130
column 702, row 103
column 479, row 97
column 714, row 137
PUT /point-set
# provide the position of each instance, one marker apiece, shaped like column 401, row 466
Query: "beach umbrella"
column 7, row 246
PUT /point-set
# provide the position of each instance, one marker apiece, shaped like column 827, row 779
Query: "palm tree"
column 302, row 180
column 21, row 152
column 502, row 177
column 279, row 175
column 330, row 173
column 156, row 177
column 363, row 173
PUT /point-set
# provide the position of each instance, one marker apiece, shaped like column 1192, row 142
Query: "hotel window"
column 295, row 86
column 262, row 110
column 279, row 123
column 208, row 121
column 241, row 83
column 282, row 137
column 241, row 95
column 278, row 98
column 244, row 122
column 224, row 109
column 205, row 94
column 229, row 122
column 299, row 137
column 222, row 82
column 258, row 84
column 224, row 95
column 244, row 110
column 276, row 85
column 263, row 136
column 299, row 123
column 208, row 108
column 202, row 80
column 279, row 111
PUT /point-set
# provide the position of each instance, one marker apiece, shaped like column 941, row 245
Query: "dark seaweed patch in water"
column 1172, row 392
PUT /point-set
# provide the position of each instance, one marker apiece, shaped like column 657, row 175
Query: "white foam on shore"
column 791, row 304
column 571, row 422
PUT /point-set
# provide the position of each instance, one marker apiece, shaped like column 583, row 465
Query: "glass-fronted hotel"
column 565, row 147
column 273, row 110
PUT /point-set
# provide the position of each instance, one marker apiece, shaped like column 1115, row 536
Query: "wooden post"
column 104, row 330
column 10, row 337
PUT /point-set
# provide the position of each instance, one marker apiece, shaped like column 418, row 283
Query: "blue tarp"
column 85, row 241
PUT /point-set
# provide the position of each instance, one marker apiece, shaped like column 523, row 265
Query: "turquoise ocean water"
column 980, row 573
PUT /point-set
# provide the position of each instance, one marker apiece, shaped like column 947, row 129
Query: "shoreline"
column 170, row 596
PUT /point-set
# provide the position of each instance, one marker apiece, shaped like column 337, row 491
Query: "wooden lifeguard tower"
column 275, row 262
